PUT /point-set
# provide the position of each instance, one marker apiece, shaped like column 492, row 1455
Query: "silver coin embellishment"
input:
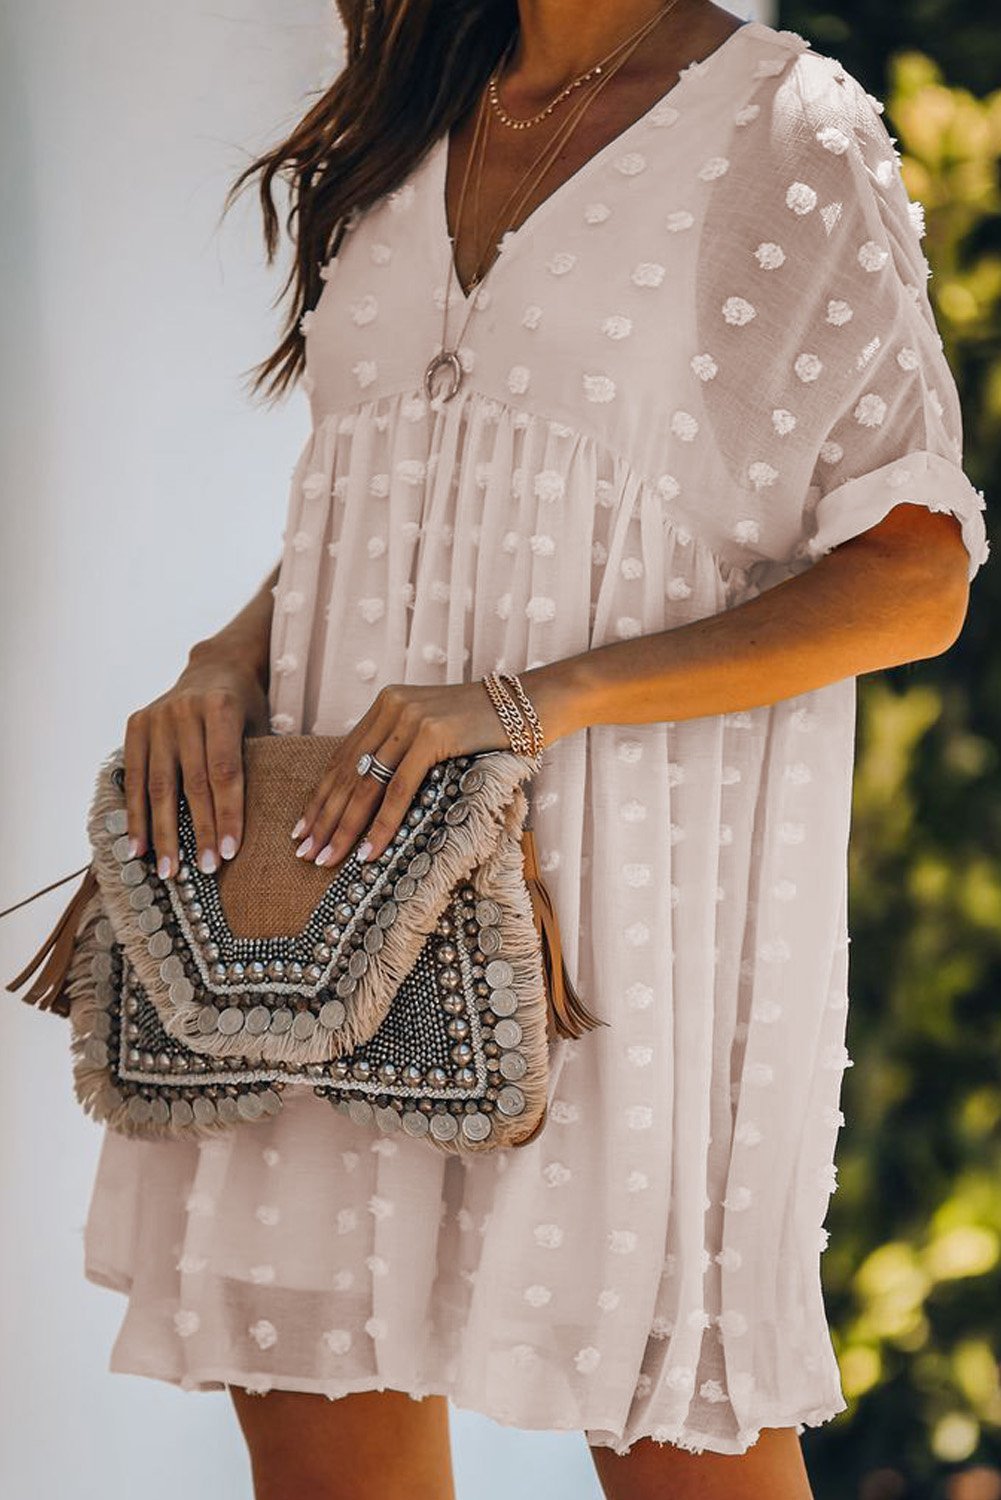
column 304, row 1025
column 182, row 992
column 488, row 913
column 360, row 1111
column 271, row 1102
column 120, row 849
column 436, row 840
column 490, row 940
column 230, row 1020
column 172, row 968
column 258, row 1020
column 498, row 973
column 203, row 1110
column 332, row 1015
column 510, row 1100
column 140, row 896
column 249, row 1107
column 415, row 1123
column 208, row 1019
column 159, row 1112
column 420, row 864
column 503, row 1002
column 457, row 813
column 116, row 822
column 181, row 1113
column 404, row 888
column 150, row 920
column 227, row 1110
column 96, row 1052
column 507, row 1033
column 476, row 1127
column 471, row 781
column 444, row 1127
column 387, row 1118
column 159, row 945
column 100, row 966
column 373, row 939
column 357, row 963
column 137, row 1110
column 386, row 915
column 281, row 1020
column 133, row 872
column 512, row 1066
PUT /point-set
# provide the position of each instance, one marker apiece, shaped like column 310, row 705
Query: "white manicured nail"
column 207, row 861
column 163, row 866
column 298, row 828
column 228, row 846
column 364, row 849
column 305, row 847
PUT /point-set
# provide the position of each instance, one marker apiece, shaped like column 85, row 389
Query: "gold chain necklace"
column 517, row 124
column 446, row 360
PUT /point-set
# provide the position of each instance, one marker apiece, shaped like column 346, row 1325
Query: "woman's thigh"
column 380, row 1445
column 772, row 1469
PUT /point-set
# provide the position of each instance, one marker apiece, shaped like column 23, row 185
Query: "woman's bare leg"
column 371, row 1445
column 772, row 1469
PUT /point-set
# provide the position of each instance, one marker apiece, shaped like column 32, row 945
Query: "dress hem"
column 598, row 1434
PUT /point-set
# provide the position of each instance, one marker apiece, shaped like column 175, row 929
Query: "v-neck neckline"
column 513, row 237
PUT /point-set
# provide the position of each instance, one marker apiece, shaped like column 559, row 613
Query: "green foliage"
column 912, row 1277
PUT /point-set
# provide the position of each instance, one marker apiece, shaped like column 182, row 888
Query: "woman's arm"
column 196, row 728
column 895, row 593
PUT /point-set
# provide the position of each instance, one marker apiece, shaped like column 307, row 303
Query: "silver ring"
column 370, row 765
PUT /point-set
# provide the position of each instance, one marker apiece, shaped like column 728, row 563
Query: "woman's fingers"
column 135, row 757
column 161, row 785
column 396, row 798
column 189, row 732
column 341, row 822
column 224, row 725
column 338, row 787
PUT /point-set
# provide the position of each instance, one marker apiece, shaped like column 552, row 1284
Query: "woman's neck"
column 559, row 39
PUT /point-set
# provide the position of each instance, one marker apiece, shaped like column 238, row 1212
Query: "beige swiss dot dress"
column 706, row 359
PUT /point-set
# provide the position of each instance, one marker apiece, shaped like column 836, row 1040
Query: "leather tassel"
column 53, row 957
column 568, row 1015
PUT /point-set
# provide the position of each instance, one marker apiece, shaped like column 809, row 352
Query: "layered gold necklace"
column 443, row 374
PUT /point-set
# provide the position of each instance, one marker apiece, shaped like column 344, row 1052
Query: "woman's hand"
column 197, row 727
column 411, row 728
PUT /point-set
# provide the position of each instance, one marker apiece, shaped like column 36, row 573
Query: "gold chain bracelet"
column 526, row 738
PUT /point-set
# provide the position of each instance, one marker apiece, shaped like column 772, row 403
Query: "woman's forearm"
column 895, row 594
column 247, row 637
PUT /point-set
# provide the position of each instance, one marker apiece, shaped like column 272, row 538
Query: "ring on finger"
column 371, row 765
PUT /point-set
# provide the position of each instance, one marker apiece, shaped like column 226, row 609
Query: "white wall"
column 142, row 502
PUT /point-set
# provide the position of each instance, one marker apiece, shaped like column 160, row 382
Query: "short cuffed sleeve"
column 922, row 478
column 835, row 390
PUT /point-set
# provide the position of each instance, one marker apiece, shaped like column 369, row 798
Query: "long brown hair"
column 413, row 68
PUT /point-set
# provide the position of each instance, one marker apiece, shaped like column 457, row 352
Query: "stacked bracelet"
column 516, row 713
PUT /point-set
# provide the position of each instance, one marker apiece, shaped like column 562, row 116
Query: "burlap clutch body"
column 417, row 992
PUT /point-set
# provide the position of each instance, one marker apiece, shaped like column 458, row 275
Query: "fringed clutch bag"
column 416, row 992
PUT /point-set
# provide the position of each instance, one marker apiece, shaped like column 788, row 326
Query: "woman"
column 689, row 463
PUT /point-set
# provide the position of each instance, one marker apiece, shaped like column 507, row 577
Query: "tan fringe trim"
column 93, row 1083
column 501, row 878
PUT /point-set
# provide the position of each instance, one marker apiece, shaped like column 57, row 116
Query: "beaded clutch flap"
column 416, row 992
